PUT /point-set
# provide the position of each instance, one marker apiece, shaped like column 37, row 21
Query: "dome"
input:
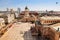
column 26, row 7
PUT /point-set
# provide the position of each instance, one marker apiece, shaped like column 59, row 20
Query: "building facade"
column 49, row 19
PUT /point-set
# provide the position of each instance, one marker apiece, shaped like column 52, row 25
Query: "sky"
column 31, row 4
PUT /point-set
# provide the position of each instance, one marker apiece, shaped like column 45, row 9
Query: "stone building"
column 27, row 12
column 2, row 23
column 28, row 15
column 8, row 16
column 49, row 19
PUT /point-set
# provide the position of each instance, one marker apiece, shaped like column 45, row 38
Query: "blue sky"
column 32, row 4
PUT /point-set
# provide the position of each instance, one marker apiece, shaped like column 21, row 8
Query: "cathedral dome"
column 26, row 7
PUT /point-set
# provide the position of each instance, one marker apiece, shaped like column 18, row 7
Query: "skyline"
column 31, row 4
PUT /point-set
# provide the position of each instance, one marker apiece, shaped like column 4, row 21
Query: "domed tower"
column 26, row 11
column 26, row 8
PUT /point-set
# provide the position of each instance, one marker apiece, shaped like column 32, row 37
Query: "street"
column 19, row 31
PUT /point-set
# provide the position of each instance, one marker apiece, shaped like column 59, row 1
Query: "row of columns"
column 50, row 21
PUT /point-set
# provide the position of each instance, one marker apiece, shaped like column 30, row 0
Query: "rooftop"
column 56, row 26
column 50, row 17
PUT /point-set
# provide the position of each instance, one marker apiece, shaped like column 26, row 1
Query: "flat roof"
column 56, row 26
column 50, row 17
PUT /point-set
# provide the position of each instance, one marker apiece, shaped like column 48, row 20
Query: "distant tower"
column 18, row 10
column 26, row 11
column 46, row 10
column 7, row 9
